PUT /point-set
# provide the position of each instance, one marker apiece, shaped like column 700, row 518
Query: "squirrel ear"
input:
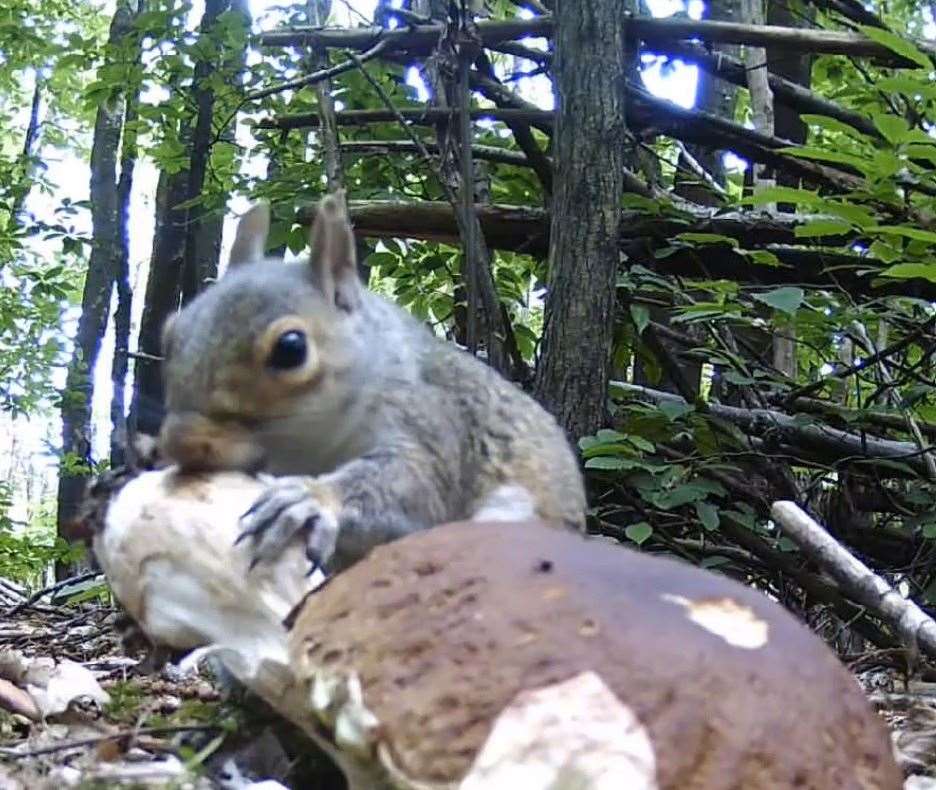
column 333, row 257
column 250, row 239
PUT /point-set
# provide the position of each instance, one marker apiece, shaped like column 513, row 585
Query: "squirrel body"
column 378, row 427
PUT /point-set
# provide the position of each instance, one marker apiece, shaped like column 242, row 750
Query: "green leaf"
column 824, row 155
column 641, row 444
column 786, row 299
column 910, row 271
column 929, row 530
column 883, row 251
column 905, row 231
column 821, row 227
column 830, row 124
column 611, row 463
column 764, row 258
column 707, row 238
column 674, row 409
column 639, row 532
column 897, row 44
column 708, row 515
column 907, row 85
column 856, row 215
column 894, row 128
column 640, row 203
column 640, row 316
column 802, row 197
column 679, row 496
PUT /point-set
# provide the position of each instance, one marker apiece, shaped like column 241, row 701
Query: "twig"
column 13, row 754
column 321, row 75
column 51, row 589
column 398, row 116
column 894, row 398
column 914, row 627
column 864, row 364
column 488, row 153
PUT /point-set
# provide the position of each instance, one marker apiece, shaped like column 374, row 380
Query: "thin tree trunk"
column 186, row 242
column 122, row 314
column 162, row 297
column 203, row 232
column 77, row 459
column 591, row 64
column 29, row 146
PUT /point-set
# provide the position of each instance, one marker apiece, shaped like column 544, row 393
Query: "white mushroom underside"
column 168, row 551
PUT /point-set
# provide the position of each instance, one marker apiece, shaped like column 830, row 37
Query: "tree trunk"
column 122, row 314
column 204, row 217
column 24, row 184
column 77, row 460
column 591, row 65
column 186, row 241
column 162, row 297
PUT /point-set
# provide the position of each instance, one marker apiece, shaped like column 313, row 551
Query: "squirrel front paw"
column 289, row 506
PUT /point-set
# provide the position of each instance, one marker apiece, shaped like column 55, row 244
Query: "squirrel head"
column 266, row 344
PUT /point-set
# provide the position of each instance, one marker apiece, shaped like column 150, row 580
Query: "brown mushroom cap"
column 446, row 627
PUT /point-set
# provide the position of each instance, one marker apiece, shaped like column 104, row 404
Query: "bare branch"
column 915, row 628
column 421, row 38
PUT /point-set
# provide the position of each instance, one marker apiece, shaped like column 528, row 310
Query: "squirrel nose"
column 198, row 443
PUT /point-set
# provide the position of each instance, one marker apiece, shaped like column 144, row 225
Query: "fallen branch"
column 49, row 590
column 807, row 441
column 887, row 420
column 645, row 111
column 489, row 153
column 915, row 628
column 541, row 119
column 421, row 38
column 525, row 229
column 785, row 91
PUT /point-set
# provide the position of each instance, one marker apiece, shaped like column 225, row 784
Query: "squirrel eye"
column 289, row 351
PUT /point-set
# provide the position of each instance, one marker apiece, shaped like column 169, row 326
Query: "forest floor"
column 76, row 711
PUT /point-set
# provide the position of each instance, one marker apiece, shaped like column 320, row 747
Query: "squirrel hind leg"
column 508, row 502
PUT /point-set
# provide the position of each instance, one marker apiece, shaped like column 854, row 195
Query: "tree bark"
column 204, row 221
column 186, row 239
column 24, row 184
column 591, row 66
column 77, row 456
column 122, row 313
column 162, row 298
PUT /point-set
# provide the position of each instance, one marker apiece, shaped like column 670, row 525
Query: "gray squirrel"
column 375, row 427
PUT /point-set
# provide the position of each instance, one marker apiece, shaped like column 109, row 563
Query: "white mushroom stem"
column 914, row 627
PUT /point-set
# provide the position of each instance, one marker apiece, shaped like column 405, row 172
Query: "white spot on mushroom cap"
column 736, row 623
column 572, row 734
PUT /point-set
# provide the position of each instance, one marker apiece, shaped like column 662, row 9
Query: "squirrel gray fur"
column 376, row 427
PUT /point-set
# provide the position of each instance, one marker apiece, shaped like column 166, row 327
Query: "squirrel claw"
column 284, row 510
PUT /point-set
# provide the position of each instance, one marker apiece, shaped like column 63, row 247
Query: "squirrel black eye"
column 289, row 351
